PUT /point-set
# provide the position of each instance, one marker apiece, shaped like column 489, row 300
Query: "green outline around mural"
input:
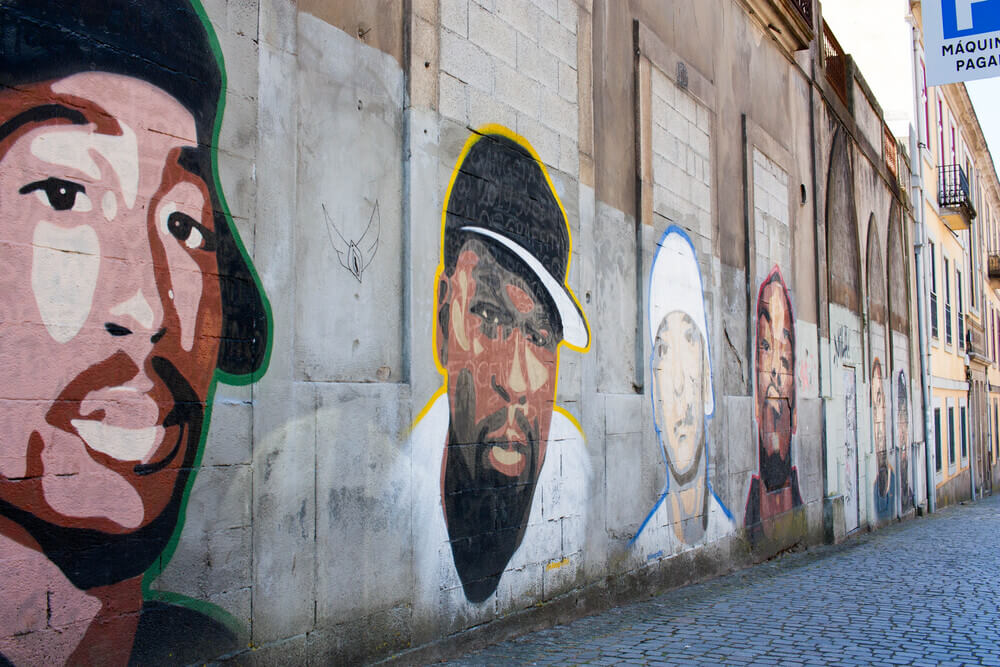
column 161, row 563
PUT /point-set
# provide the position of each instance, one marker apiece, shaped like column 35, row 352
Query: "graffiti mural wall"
column 774, row 490
column 688, row 511
column 128, row 294
column 492, row 448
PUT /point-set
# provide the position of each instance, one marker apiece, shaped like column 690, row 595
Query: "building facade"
column 960, row 197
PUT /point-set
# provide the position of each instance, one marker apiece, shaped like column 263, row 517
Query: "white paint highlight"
column 64, row 268
column 74, row 149
column 109, row 205
column 138, row 308
column 124, row 444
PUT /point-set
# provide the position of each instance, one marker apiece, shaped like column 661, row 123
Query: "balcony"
column 975, row 341
column 993, row 269
column 954, row 198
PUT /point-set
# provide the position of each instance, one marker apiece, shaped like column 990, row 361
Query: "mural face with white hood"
column 681, row 370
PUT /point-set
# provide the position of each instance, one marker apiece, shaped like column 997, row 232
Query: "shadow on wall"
column 132, row 296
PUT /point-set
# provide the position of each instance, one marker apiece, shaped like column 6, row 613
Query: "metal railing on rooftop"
column 834, row 63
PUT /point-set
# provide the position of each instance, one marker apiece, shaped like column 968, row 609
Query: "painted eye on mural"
column 59, row 195
column 193, row 234
column 488, row 313
column 537, row 337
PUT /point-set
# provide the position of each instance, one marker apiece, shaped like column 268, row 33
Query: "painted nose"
column 517, row 381
column 129, row 281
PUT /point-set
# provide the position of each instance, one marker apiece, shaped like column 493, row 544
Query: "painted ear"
column 442, row 319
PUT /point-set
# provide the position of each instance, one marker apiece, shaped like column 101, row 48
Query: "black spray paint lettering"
column 841, row 343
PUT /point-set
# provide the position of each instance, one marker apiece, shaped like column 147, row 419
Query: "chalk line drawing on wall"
column 131, row 297
column 775, row 489
column 885, row 475
column 503, row 310
column 903, row 439
column 688, row 511
column 355, row 256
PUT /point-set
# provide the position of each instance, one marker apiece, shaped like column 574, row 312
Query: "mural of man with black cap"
column 492, row 438
column 125, row 295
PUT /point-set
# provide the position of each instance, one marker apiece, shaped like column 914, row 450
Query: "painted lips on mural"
column 125, row 290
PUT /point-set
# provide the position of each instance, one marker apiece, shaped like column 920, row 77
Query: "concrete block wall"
column 432, row 334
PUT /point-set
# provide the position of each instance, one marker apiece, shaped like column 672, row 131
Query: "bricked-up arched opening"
column 899, row 389
column 878, row 306
column 899, row 286
column 884, row 489
column 843, row 256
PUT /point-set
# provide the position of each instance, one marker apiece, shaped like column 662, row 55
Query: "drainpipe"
column 969, row 440
column 917, row 179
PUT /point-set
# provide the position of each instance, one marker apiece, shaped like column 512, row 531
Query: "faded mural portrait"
column 885, row 476
column 903, row 440
column 687, row 511
column 503, row 309
column 775, row 489
column 126, row 295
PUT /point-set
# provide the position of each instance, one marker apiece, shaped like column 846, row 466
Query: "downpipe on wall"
column 917, row 188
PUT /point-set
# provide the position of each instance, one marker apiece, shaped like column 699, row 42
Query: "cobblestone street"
column 923, row 592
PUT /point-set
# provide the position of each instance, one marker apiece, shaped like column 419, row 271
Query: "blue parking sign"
column 961, row 40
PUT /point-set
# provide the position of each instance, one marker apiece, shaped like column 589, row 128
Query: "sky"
column 985, row 95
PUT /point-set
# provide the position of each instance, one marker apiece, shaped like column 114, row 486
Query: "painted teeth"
column 124, row 444
column 505, row 457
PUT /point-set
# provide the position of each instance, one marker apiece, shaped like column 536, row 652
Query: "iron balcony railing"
column 805, row 9
column 953, row 189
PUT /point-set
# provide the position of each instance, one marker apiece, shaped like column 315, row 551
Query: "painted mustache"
column 111, row 408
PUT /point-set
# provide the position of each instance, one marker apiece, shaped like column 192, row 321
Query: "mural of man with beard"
column 125, row 296
column 775, row 490
column 492, row 442
column 885, row 478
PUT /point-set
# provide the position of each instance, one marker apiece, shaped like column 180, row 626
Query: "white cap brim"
column 575, row 331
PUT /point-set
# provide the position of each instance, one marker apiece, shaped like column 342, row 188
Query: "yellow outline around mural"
column 478, row 134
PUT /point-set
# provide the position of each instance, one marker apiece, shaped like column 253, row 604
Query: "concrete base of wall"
column 834, row 522
column 954, row 490
column 729, row 555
